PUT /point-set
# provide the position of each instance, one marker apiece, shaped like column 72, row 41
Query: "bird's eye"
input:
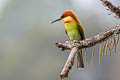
column 63, row 16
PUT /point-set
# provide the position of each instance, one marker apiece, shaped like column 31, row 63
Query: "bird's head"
column 67, row 17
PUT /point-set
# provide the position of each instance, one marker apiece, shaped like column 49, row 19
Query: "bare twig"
column 89, row 42
column 74, row 45
column 112, row 8
column 69, row 63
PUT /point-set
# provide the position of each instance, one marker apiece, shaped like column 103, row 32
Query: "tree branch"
column 112, row 8
column 89, row 42
column 74, row 45
column 69, row 63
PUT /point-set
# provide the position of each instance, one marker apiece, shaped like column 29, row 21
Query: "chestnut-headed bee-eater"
column 74, row 31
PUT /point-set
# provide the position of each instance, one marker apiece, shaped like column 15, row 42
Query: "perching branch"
column 89, row 42
column 74, row 45
column 69, row 63
column 112, row 8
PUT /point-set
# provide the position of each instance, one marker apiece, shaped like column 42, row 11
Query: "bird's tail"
column 80, row 63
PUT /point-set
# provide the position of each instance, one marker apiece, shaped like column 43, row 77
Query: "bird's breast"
column 72, row 31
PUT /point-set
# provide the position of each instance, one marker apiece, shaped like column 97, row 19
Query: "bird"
column 74, row 30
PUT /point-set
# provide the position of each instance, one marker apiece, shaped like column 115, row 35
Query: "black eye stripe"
column 64, row 16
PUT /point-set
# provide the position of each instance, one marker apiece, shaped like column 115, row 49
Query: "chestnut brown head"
column 67, row 16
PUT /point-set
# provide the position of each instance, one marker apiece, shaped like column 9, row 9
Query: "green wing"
column 81, row 31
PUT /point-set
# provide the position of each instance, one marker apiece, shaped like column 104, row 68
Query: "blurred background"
column 27, row 39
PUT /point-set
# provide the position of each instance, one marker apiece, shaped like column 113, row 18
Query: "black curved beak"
column 56, row 20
